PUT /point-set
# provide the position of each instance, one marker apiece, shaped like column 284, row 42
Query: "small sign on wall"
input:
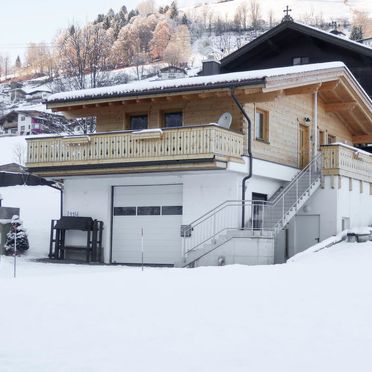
column 72, row 213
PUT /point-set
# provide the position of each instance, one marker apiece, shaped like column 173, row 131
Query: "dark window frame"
column 303, row 60
column 175, row 112
column 134, row 116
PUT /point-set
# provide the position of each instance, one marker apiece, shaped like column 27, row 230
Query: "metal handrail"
column 269, row 209
column 298, row 175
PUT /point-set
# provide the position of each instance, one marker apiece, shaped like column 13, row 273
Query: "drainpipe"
column 315, row 125
column 249, row 154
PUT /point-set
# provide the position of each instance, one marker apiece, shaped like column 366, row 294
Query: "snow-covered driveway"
column 314, row 314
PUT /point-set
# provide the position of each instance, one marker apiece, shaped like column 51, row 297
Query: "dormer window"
column 300, row 61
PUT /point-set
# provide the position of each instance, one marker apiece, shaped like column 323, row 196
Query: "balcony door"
column 303, row 146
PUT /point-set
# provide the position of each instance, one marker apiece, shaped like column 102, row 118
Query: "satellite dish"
column 225, row 120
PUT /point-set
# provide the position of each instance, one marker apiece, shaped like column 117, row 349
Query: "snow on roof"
column 192, row 83
column 30, row 90
column 336, row 36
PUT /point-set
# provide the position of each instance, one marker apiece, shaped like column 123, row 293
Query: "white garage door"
column 155, row 209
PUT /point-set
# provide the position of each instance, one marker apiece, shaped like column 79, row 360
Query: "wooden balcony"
column 343, row 160
column 196, row 147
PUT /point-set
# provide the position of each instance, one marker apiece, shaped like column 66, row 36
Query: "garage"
column 155, row 209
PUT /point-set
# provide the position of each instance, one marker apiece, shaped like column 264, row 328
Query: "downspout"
column 315, row 125
column 249, row 154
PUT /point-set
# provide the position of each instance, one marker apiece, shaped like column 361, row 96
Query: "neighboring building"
column 9, row 123
column 26, row 121
column 367, row 41
column 37, row 94
column 172, row 72
column 159, row 164
column 292, row 43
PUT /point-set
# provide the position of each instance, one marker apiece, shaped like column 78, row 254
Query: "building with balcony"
column 246, row 167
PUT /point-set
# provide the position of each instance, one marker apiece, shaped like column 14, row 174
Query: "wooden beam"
column 329, row 85
column 339, row 106
column 305, row 89
column 261, row 97
column 362, row 139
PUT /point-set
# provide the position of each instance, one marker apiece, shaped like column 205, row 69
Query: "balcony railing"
column 197, row 142
column 343, row 160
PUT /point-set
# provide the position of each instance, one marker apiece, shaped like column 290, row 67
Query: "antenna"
column 225, row 120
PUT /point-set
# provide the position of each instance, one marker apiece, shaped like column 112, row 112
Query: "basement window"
column 262, row 125
column 138, row 122
column 300, row 61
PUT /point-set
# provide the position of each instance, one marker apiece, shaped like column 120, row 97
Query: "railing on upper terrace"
column 129, row 146
column 348, row 161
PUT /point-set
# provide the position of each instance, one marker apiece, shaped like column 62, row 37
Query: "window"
column 300, row 61
column 262, row 125
column 331, row 139
column 171, row 210
column 124, row 211
column 321, row 138
column 148, row 211
column 138, row 122
column 23, row 118
column 173, row 119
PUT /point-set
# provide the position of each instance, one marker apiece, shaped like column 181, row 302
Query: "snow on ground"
column 38, row 204
column 311, row 315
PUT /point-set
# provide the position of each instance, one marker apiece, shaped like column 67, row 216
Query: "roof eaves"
column 150, row 92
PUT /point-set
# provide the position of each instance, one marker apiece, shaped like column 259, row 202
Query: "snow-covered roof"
column 313, row 31
column 31, row 90
column 190, row 84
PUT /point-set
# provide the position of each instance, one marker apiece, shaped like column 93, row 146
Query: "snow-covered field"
column 38, row 204
column 313, row 314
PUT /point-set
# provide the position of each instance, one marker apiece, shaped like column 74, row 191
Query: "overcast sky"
column 23, row 21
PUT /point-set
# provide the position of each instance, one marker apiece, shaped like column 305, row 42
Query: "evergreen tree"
column 356, row 33
column 16, row 239
column 173, row 10
column 184, row 20
column 18, row 63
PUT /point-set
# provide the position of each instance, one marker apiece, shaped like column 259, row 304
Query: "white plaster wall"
column 244, row 251
column 333, row 202
column 202, row 191
column 354, row 204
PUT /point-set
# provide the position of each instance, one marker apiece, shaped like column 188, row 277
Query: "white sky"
column 23, row 21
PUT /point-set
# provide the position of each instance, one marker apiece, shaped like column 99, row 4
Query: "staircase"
column 263, row 219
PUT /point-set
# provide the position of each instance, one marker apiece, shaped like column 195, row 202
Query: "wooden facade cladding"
column 61, row 155
column 341, row 160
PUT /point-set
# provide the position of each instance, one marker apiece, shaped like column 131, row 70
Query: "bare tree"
column 254, row 13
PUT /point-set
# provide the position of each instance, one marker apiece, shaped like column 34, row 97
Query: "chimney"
column 211, row 66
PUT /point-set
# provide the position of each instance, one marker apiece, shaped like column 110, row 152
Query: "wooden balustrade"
column 343, row 160
column 119, row 147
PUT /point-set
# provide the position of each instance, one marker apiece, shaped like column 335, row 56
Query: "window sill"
column 262, row 141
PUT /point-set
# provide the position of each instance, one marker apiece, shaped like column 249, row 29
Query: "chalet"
column 291, row 43
column 172, row 72
column 9, row 123
column 23, row 122
column 248, row 167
